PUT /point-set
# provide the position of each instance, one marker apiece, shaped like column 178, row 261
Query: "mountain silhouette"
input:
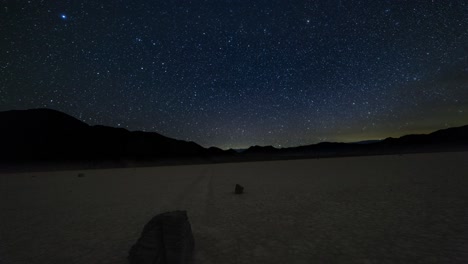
column 450, row 139
column 44, row 134
column 260, row 150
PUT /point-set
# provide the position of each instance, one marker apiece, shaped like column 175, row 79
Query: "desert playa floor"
column 381, row 209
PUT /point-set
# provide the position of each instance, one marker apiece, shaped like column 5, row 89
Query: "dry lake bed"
column 380, row 209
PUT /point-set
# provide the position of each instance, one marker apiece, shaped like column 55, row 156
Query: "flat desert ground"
column 380, row 209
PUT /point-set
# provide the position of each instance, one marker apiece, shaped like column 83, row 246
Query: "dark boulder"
column 166, row 239
column 239, row 189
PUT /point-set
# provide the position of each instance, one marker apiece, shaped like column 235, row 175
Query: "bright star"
column 63, row 16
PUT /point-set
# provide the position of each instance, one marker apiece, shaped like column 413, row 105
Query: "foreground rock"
column 239, row 189
column 166, row 239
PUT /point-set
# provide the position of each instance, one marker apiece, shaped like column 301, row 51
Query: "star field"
column 232, row 73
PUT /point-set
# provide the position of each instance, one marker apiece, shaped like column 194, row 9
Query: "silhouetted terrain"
column 44, row 134
column 49, row 135
column 450, row 139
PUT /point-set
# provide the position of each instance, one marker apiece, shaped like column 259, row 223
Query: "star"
column 303, row 72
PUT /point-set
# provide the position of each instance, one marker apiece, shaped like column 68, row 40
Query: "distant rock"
column 239, row 189
column 81, row 175
column 166, row 239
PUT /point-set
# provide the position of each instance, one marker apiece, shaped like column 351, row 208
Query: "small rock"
column 239, row 189
column 80, row 175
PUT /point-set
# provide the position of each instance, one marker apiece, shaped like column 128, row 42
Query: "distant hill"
column 49, row 135
column 365, row 142
column 454, row 135
column 260, row 150
column 450, row 139
column 45, row 134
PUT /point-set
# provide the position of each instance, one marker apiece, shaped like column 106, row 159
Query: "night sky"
column 240, row 73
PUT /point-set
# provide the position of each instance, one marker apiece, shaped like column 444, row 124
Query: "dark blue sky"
column 240, row 73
